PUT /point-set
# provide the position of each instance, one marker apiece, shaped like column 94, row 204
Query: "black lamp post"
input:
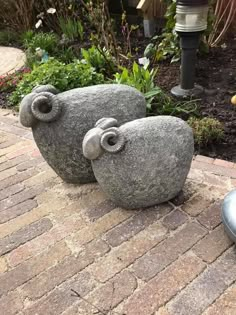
column 191, row 21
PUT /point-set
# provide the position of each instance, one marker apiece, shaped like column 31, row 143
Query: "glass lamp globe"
column 191, row 15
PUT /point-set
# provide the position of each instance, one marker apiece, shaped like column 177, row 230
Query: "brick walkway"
column 54, row 238
column 11, row 59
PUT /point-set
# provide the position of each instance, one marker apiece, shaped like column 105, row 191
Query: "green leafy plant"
column 67, row 54
column 206, row 130
column 71, row 28
column 27, row 37
column 141, row 78
column 100, row 59
column 166, row 45
column 150, row 51
column 40, row 46
column 163, row 104
column 62, row 76
column 46, row 41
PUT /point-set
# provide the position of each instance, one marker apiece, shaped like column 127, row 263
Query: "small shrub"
column 71, row 28
column 46, row 41
column 67, row 54
column 32, row 59
column 62, row 76
column 41, row 46
column 27, row 37
column 206, row 130
column 100, row 59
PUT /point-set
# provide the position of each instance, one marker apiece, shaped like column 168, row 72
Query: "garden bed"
column 217, row 73
column 111, row 52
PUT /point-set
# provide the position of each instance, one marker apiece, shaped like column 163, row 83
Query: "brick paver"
column 172, row 259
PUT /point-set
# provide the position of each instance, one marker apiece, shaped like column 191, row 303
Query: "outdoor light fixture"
column 191, row 21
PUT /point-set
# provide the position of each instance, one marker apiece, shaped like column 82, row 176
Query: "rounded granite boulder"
column 59, row 122
column 142, row 163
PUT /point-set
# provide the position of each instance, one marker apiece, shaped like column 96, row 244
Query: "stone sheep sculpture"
column 59, row 122
column 142, row 163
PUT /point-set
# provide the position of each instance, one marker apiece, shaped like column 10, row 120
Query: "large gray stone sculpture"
column 59, row 122
column 142, row 163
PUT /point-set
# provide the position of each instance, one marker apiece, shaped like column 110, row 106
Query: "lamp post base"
column 197, row 91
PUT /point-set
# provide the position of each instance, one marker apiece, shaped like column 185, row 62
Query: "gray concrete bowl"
column 229, row 214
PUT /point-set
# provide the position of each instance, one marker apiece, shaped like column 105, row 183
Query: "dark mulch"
column 3, row 99
column 217, row 73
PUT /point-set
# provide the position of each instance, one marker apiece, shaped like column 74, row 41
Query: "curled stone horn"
column 104, row 137
column 45, row 88
column 105, row 123
column 46, row 107
column 112, row 140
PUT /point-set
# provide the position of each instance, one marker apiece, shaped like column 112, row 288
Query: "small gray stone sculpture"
column 59, row 122
column 142, row 163
column 229, row 214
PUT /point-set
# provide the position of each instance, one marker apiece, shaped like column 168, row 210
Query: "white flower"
column 51, row 11
column 144, row 61
column 39, row 23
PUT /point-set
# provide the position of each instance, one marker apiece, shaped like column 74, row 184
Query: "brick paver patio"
column 57, row 238
column 12, row 59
